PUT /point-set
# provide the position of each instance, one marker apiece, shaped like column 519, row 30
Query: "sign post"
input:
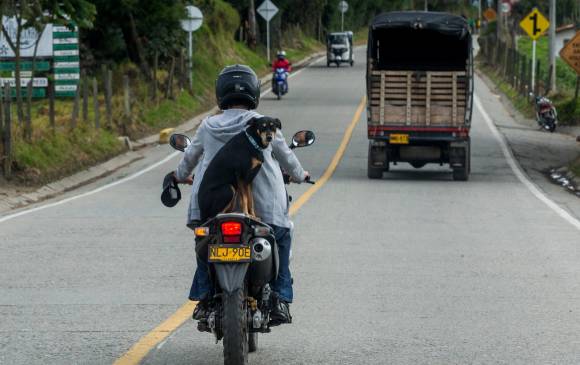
column 267, row 10
column 192, row 23
column 535, row 24
column 343, row 8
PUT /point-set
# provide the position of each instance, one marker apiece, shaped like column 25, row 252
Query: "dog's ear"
column 252, row 122
column 277, row 123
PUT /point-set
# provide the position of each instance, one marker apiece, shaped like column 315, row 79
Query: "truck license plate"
column 229, row 253
column 399, row 139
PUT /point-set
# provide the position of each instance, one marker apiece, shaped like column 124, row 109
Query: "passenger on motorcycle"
column 238, row 94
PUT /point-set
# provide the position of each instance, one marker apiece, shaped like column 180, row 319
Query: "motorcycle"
column 546, row 114
column 280, row 82
column 243, row 259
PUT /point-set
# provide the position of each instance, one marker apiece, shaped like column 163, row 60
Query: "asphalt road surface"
column 411, row 269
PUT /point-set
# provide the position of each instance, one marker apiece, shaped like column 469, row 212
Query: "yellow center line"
column 138, row 351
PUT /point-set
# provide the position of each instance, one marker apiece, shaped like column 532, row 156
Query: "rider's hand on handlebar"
column 188, row 180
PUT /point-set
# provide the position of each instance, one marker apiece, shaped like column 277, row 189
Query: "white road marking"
column 516, row 168
column 118, row 182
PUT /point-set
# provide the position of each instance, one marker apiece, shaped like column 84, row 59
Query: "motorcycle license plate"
column 399, row 139
column 229, row 253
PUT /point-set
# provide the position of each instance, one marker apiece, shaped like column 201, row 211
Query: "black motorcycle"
column 546, row 114
column 243, row 259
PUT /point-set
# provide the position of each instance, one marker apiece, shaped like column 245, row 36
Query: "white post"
column 426, row 7
column 533, row 65
column 342, row 22
column 268, row 39
column 190, row 61
column 552, row 33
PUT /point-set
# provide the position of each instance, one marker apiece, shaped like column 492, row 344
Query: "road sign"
column 506, row 7
column 343, row 6
column 194, row 19
column 571, row 53
column 38, row 81
column 489, row 14
column 535, row 24
column 192, row 23
column 267, row 10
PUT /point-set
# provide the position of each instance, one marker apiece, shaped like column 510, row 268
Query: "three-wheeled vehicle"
column 420, row 91
column 339, row 48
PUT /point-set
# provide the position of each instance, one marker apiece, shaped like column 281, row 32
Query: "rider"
column 281, row 62
column 238, row 94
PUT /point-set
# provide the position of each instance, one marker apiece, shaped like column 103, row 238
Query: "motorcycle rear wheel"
column 235, row 328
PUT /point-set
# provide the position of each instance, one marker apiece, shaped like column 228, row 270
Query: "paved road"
column 411, row 269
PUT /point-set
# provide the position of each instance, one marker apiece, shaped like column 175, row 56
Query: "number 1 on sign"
column 534, row 19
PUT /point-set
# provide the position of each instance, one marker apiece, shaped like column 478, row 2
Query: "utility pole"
column 499, row 21
column 426, row 7
column 552, row 55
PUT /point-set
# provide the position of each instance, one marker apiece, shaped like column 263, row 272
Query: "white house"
column 563, row 35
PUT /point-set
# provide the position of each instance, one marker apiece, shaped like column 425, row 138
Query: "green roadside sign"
column 25, row 66
column 36, row 92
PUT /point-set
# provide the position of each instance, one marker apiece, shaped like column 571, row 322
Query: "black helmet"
column 237, row 84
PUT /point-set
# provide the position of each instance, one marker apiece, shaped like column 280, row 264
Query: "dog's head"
column 264, row 129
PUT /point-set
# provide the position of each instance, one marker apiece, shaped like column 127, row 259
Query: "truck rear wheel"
column 462, row 173
column 374, row 172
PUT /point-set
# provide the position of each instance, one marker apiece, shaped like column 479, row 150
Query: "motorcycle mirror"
column 303, row 139
column 179, row 141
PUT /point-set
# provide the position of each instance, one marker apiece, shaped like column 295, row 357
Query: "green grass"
column 565, row 75
column 64, row 153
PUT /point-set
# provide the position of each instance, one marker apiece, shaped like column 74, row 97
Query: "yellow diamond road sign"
column 535, row 24
column 571, row 53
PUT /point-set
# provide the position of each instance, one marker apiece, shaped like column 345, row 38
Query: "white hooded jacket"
column 270, row 198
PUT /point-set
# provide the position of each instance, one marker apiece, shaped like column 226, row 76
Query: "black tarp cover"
column 443, row 23
column 420, row 39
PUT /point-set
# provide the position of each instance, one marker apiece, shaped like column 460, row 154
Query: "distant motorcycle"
column 546, row 114
column 280, row 84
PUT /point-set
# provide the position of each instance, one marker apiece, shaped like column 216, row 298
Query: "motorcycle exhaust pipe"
column 262, row 250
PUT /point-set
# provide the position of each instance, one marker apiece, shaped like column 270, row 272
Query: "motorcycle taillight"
column 232, row 232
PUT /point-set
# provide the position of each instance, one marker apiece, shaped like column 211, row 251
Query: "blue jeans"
column 201, row 287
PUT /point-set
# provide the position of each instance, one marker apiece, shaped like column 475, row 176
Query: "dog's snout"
column 269, row 137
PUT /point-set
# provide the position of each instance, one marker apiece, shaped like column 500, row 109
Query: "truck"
column 339, row 48
column 419, row 92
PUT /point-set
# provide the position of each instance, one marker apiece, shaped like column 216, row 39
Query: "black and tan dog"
column 227, row 182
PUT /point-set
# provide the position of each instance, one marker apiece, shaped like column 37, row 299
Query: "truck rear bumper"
column 420, row 134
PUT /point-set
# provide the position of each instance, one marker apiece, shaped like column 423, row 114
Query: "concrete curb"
column 104, row 169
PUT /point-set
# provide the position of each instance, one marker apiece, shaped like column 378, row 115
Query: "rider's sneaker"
column 201, row 311
column 280, row 314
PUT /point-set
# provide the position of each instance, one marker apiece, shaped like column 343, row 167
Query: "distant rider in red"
column 281, row 62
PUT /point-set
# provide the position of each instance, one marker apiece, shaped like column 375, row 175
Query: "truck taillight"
column 232, row 232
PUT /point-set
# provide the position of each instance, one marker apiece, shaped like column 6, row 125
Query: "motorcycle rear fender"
column 231, row 276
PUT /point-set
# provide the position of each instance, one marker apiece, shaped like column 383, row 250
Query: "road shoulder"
column 536, row 151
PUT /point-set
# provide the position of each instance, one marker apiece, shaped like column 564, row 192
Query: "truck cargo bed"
column 418, row 98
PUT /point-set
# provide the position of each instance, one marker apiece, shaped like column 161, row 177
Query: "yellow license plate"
column 399, row 139
column 229, row 253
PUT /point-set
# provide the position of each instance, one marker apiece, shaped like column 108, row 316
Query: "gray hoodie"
column 270, row 198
